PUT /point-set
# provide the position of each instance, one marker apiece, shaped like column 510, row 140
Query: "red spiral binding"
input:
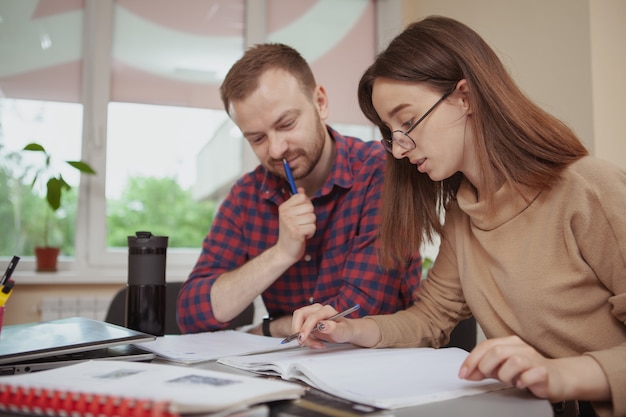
column 57, row 403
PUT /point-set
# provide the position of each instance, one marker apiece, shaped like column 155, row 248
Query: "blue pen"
column 292, row 184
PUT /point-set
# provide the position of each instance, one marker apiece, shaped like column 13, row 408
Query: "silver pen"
column 335, row 317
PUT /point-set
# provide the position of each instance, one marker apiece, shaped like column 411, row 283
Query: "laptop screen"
column 22, row 342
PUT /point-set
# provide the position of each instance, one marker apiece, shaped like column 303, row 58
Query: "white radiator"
column 93, row 307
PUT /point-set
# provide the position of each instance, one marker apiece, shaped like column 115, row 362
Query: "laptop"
column 43, row 345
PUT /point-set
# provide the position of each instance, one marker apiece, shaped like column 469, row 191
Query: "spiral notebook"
column 115, row 388
column 48, row 344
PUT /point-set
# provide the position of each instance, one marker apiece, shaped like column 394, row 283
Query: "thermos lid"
column 147, row 241
column 146, row 259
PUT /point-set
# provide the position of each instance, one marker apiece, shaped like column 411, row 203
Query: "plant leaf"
column 82, row 167
column 34, row 147
column 53, row 194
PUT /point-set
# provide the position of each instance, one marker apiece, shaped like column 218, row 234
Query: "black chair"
column 464, row 334
column 116, row 313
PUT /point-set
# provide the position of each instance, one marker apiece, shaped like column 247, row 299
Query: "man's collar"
column 341, row 174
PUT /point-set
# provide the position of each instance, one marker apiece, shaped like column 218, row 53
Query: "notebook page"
column 384, row 378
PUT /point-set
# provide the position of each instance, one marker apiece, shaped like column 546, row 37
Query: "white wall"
column 608, row 70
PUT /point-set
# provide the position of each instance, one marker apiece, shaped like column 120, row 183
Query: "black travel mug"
column 145, row 296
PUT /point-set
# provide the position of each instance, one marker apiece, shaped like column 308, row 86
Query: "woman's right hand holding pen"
column 310, row 322
column 314, row 327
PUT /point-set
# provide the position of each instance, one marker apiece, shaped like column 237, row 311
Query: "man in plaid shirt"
column 317, row 245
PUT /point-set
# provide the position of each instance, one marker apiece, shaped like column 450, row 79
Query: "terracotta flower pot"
column 46, row 258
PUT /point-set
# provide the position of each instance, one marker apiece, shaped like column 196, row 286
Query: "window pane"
column 40, row 52
column 152, row 171
column 57, row 127
column 40, row 65
column 338, row 54
column 165, row 111
column 173, row 52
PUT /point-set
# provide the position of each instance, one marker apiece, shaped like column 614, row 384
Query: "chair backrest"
column 117, row 310
column 464, row 334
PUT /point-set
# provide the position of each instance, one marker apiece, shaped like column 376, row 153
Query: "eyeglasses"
column 402, row 138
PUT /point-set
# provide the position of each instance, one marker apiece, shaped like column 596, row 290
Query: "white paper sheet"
column 210, row 346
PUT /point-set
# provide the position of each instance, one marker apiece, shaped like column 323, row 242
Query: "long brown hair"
column 516, row 140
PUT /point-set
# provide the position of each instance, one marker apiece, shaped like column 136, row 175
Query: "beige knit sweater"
column 548, row 266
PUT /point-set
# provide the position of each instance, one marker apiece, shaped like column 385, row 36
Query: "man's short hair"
column 242, row 79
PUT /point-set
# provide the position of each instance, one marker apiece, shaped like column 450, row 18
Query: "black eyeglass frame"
column 409, row 146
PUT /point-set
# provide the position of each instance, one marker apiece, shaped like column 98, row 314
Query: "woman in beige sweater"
column 534, row 238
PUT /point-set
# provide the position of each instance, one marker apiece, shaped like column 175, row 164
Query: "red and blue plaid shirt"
column 340, row 266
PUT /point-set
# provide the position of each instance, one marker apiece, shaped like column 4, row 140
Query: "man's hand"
column 296, row 225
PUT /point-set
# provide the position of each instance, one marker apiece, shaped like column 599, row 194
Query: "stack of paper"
column 210, row 346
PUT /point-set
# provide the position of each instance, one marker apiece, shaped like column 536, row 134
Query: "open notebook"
column 42, row 345
column 384, row 378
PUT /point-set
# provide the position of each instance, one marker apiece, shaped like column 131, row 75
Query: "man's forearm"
column 236, row 289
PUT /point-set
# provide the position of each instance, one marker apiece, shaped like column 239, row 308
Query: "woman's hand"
column 314, row 328
column 309, row 320
column 514, row 362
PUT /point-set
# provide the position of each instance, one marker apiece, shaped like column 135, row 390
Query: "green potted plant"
column 46, row 255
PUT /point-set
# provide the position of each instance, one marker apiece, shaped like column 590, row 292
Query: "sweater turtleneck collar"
column 509, row 201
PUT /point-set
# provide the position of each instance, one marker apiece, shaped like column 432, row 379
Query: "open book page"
column 384, row 378
column 285, row 364
column 187, row 390
column 209, row 346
